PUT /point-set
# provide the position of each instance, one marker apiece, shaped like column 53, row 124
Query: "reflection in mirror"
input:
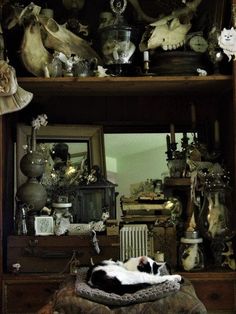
column 133, row 158
column 79, row 138
column 66, row 161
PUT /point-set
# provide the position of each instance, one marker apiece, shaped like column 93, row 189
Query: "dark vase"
column 32, row 164
column 32, row 193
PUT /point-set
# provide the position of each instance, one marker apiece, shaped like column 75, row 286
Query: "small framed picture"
column 44, row 225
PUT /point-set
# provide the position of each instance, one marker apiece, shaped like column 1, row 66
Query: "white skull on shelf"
column 169, row 32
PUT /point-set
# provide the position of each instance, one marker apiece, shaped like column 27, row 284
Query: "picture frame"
column 90, row 134
column 44, row 225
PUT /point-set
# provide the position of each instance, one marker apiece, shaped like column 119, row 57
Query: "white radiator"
column 133, row 241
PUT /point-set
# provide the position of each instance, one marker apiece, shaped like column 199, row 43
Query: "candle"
column 168, row 142
column 146, row 55
column 193, row 116
column 217, row 132
column 172, row 133
column 159, row 257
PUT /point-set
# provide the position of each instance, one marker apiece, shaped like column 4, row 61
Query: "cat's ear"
column 143, row 260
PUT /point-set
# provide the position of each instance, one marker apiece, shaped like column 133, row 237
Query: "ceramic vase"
column 32, row 166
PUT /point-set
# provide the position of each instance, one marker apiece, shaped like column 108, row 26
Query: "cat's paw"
column 177, row 278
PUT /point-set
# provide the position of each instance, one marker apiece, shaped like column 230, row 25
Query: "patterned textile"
column 144, row 295
column 67, row 301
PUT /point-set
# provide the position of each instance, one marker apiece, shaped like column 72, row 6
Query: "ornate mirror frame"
column 93, row 134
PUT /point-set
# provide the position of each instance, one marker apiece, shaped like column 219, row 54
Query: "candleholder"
column 176, row 167
column 169, row 154
column 173, row 146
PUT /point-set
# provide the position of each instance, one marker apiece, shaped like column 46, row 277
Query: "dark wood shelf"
column 128, row 86
column 177, row 182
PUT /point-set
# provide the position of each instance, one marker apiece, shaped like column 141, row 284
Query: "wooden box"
column 112, row 227
column 52, row 254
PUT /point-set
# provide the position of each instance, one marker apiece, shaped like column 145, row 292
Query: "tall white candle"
column 146, row 55
column 172, row 133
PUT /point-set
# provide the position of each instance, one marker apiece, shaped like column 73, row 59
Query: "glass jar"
column 215, row 217
column 117, row 47
column 191, row 253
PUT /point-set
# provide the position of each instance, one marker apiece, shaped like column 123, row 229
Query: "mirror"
column 133, row 158
column 78, row 143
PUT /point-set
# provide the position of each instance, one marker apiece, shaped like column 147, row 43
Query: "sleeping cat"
column 129, row 276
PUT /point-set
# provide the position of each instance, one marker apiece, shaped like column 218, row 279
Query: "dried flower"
column 41, row 120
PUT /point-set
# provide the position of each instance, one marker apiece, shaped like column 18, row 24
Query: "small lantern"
column 116, row 46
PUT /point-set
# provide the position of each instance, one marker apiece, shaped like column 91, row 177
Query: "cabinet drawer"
column 26, row 297
column 52, row 254
column 216, row 295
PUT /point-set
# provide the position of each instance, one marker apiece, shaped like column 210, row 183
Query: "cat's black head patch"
column 145, row 267
column 155, row 268
column 148, row 266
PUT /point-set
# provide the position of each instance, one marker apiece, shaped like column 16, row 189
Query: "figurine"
column 227, row 41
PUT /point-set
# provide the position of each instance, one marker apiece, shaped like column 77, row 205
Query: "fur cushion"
column 151, row 293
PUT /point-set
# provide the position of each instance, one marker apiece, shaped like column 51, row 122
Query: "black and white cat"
column 129, row 276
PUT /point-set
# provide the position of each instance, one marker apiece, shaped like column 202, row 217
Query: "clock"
column 198, row 44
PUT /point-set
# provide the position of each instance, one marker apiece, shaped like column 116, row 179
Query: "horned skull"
column 169, row 32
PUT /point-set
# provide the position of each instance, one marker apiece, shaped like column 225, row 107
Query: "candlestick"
column 169, row 150
column 146, row 61
column 193, row 116
column 168, row 142
column 172, row 133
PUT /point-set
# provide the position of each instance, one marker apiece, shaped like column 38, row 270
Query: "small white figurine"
column 227, row 41
column 201, row 72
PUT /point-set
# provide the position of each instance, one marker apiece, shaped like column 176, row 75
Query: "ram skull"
column 169, row 32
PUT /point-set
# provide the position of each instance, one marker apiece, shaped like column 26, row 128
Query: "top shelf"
column 128, row 86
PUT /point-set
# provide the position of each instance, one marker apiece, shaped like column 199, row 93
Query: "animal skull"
column 169, row 32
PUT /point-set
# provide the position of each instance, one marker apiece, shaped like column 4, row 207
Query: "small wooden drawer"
column 216, row 295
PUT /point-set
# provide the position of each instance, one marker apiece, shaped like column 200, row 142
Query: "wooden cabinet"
column 27, row 294
column 52, row 254
column 132, row 104
column 217, row 290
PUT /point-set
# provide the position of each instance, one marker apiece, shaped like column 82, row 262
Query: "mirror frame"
column 66, row 132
